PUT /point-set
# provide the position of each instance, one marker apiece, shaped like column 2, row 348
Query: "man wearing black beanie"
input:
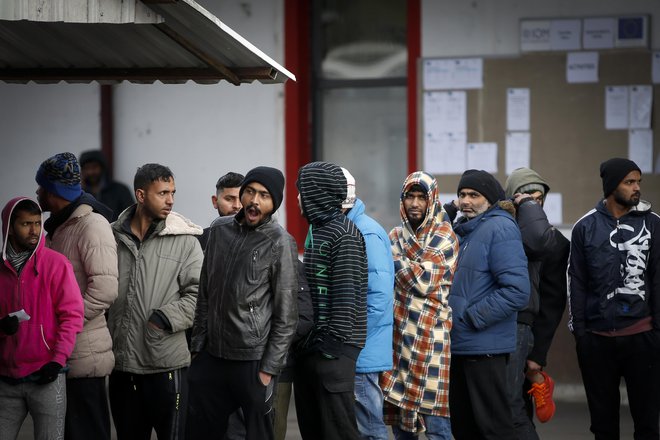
column 614, row 296
column 246, row 313
column 491, row 284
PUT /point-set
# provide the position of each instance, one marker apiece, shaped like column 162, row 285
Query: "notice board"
column 567, row 122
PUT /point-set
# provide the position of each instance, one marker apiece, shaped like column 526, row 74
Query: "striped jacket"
column 335, row 263
column 424, row 263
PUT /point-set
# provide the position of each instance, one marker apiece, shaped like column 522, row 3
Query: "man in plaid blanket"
column 425, row 250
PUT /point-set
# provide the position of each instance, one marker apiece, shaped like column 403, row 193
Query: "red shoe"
column 542, row 395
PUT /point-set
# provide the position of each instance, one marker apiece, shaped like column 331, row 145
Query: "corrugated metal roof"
column 109, row 41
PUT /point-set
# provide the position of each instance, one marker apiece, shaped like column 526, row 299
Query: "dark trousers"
column 87, row 413
column 142, row 402
column 478, row 398
column 515, row 371
column 218, row 387
column 603, row 361
column 324, row 396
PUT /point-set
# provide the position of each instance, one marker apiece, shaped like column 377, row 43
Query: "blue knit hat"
column 60, row 175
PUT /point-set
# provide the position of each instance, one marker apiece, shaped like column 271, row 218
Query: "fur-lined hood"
column 176, row 224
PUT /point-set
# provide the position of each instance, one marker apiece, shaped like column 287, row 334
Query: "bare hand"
column 531, row 365
column 265, row 378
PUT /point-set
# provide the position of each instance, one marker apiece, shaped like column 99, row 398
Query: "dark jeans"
column 603, row 361
column 218, row 387
column 87, row 412
column 324, row 395
column 478, row 398
column 142, row 402
column 515, row 374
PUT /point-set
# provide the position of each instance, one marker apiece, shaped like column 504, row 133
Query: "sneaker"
column 542, row 395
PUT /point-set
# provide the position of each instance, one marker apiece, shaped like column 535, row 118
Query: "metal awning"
column 79, row 41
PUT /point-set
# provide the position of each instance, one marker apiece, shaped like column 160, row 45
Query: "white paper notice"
column 482, row 156
column 456, row 73
column 517, row 151
column 445, row 112
column 640, row 149
column 565, row 34
column 641, row 100
column 534, row 35
column 517, row 109
column 598, row 33
column 445, row 154
column 656, row 67
column 21, row 315
column 582, row 67
column 553, row 208
column 616, row 107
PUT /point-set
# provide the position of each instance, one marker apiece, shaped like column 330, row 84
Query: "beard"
column 629, row 202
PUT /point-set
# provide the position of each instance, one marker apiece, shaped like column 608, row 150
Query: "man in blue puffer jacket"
column 376, row 356
column 490, row 286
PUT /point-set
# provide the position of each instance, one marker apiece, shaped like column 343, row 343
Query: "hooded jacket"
column 491, row 284
column 47, row 290
column 377, row 352
column 86, row 239
column 614, row 270
column 424, row 263
column 160, row 275
column 247, row 308
column 538, row 235
column 335, row 264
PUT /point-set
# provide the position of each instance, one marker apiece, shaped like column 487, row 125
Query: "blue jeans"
column 437, row 428
column 369, row 407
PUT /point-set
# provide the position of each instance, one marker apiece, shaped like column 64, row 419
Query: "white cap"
column 350, row 190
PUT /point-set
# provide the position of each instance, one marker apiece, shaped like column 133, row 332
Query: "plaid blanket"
column 424, row 262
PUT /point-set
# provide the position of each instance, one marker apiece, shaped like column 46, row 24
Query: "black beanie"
column 482, row 182
column 613, row 171
column 271, row 178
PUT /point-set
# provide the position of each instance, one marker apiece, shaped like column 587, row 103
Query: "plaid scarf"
column 424, row 261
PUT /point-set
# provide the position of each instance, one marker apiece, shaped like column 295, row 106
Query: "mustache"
column 248, row 207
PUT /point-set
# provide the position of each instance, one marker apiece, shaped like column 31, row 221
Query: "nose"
column 170, row 199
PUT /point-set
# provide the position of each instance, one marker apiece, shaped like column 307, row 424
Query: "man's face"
column 415, row 204
column 628, row 193
column 157, row 199
column 537, row 196
column 91, row 174
column 43, row 197
column 227, row 201
column 257, row 202
column 24, row 231
column 472, row 203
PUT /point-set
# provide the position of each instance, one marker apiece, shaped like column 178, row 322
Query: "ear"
column 139, row 195
column 214, row 200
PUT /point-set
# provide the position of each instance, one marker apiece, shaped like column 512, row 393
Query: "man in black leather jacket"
column 246, row 313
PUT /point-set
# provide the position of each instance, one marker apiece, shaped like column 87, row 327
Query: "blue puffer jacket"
column 377, row 352
column 490, row 286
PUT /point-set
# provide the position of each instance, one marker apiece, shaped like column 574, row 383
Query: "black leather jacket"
column 246, row 306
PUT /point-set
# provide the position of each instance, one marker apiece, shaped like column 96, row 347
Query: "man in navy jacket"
column 614, row 298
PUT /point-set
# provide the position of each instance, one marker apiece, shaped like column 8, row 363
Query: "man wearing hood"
column 95, row 180
column 376, row 356
column 614, row 302
column 78, row 228
column 159, row 264
column 425, row 251
column 547, row 252
column 246, row 314
column 336, row 269
column 490, row 286
column 41, row 311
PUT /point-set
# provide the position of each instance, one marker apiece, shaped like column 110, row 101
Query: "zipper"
column 254, row 319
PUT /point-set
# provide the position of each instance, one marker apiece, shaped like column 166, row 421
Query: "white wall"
column 489, row 27
column 199, row 131
column 37, row 121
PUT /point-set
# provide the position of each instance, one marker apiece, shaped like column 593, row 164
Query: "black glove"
column 48, row 373
column 9, row 324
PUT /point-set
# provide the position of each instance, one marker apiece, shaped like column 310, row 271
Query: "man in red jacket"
column 41, row 311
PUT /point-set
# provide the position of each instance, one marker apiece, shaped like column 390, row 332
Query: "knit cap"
column 271, row 178
column 60, row 175
column 482, row 182
column 613, row 171
column 349, row 201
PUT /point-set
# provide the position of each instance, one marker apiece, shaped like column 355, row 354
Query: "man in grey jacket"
column 159, row 264
column 246, row 314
